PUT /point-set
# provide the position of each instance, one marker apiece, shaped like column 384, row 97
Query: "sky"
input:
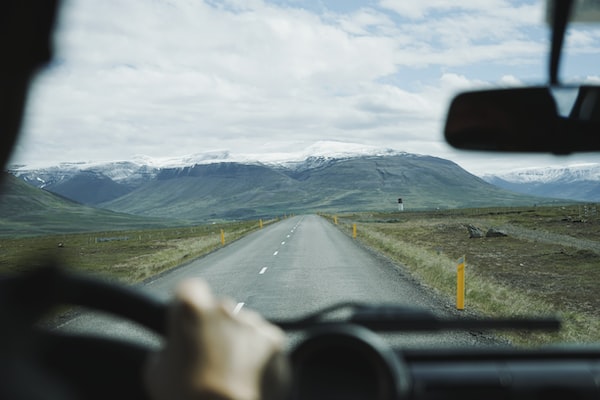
column 169, row 78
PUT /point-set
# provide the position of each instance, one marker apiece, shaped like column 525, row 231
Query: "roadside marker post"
column 260, row 223
column 460, row 284
column 335, row 219
column 222, row 237
column 354, row 231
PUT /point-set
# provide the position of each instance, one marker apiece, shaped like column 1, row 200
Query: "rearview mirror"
column 534, row 119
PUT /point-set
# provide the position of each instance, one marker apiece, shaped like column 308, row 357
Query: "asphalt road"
column 288, row 269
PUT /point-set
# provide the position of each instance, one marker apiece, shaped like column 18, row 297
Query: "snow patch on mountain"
column 141, row 168
column 184, row 161
column 141, row 165
column 324, row 152
column 571, row 173
column 332, row 149
column 319, row 150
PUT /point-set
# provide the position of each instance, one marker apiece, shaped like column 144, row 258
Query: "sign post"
column 460, row 284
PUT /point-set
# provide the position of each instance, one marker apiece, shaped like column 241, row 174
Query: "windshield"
column 291, row 153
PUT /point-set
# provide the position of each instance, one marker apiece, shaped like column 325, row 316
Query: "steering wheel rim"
column 43, row 363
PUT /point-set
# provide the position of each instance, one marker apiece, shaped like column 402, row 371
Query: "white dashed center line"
column 238, row 307
column 277, row 252
column 262, row 271
column 282, row 243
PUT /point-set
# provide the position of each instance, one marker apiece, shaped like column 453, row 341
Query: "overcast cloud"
column 166, row 78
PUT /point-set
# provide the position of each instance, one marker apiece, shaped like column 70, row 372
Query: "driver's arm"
column 210, row 353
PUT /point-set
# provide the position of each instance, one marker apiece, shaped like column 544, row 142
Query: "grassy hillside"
column 89, row 187
column 216, row 191
column 230, row 190
column 26, row 210
column 423, row 182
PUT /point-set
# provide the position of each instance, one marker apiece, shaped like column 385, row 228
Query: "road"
column 288, row 269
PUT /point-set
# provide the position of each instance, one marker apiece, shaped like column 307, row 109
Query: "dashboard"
column 334, row 360
column 349, row 362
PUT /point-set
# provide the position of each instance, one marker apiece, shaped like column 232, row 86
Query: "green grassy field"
column 128, row 255
column 549, row 262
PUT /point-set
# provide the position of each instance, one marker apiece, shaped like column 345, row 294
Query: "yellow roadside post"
column 260, row 224
column 460, row 284
column 335, row 219
column 354, row 231
column 222, row 237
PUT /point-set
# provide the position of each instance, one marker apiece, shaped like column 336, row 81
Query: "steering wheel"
column 41, row 363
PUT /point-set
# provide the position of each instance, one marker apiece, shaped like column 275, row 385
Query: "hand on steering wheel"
column 213, row 353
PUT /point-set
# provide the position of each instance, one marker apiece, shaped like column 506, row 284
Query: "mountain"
column 89, row 184
column 351, row 178
column 27, row 210
column 93, row 183
column 223, row 190
column 233, row 190
column 577, row 182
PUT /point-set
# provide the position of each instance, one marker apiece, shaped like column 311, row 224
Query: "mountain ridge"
column 577, row 182
column 233, row 190
column 320, row 183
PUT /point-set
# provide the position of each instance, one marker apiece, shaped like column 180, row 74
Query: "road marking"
column 262, row 271
column 276, row 253
column 282, row 243
column 238, row 307
column 288, row 235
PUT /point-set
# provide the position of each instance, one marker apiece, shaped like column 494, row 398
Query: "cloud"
column 582, row 40
column 593, row 79
column 420, row 9
column 166, row 78
column 510, row 80
column 511, row 11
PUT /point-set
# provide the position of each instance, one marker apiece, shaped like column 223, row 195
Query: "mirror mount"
column 560, row 11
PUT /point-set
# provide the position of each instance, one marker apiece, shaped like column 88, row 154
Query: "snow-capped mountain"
column 326, row 176
column 572, row 173
column 114, row 179
column 124, row 172
column 318, row 150
column 141, row 168
column 577, row 182
column 324, row 152
column 83, row 181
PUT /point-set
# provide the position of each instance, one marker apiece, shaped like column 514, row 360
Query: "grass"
column 127, row 256
column 548, row 263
